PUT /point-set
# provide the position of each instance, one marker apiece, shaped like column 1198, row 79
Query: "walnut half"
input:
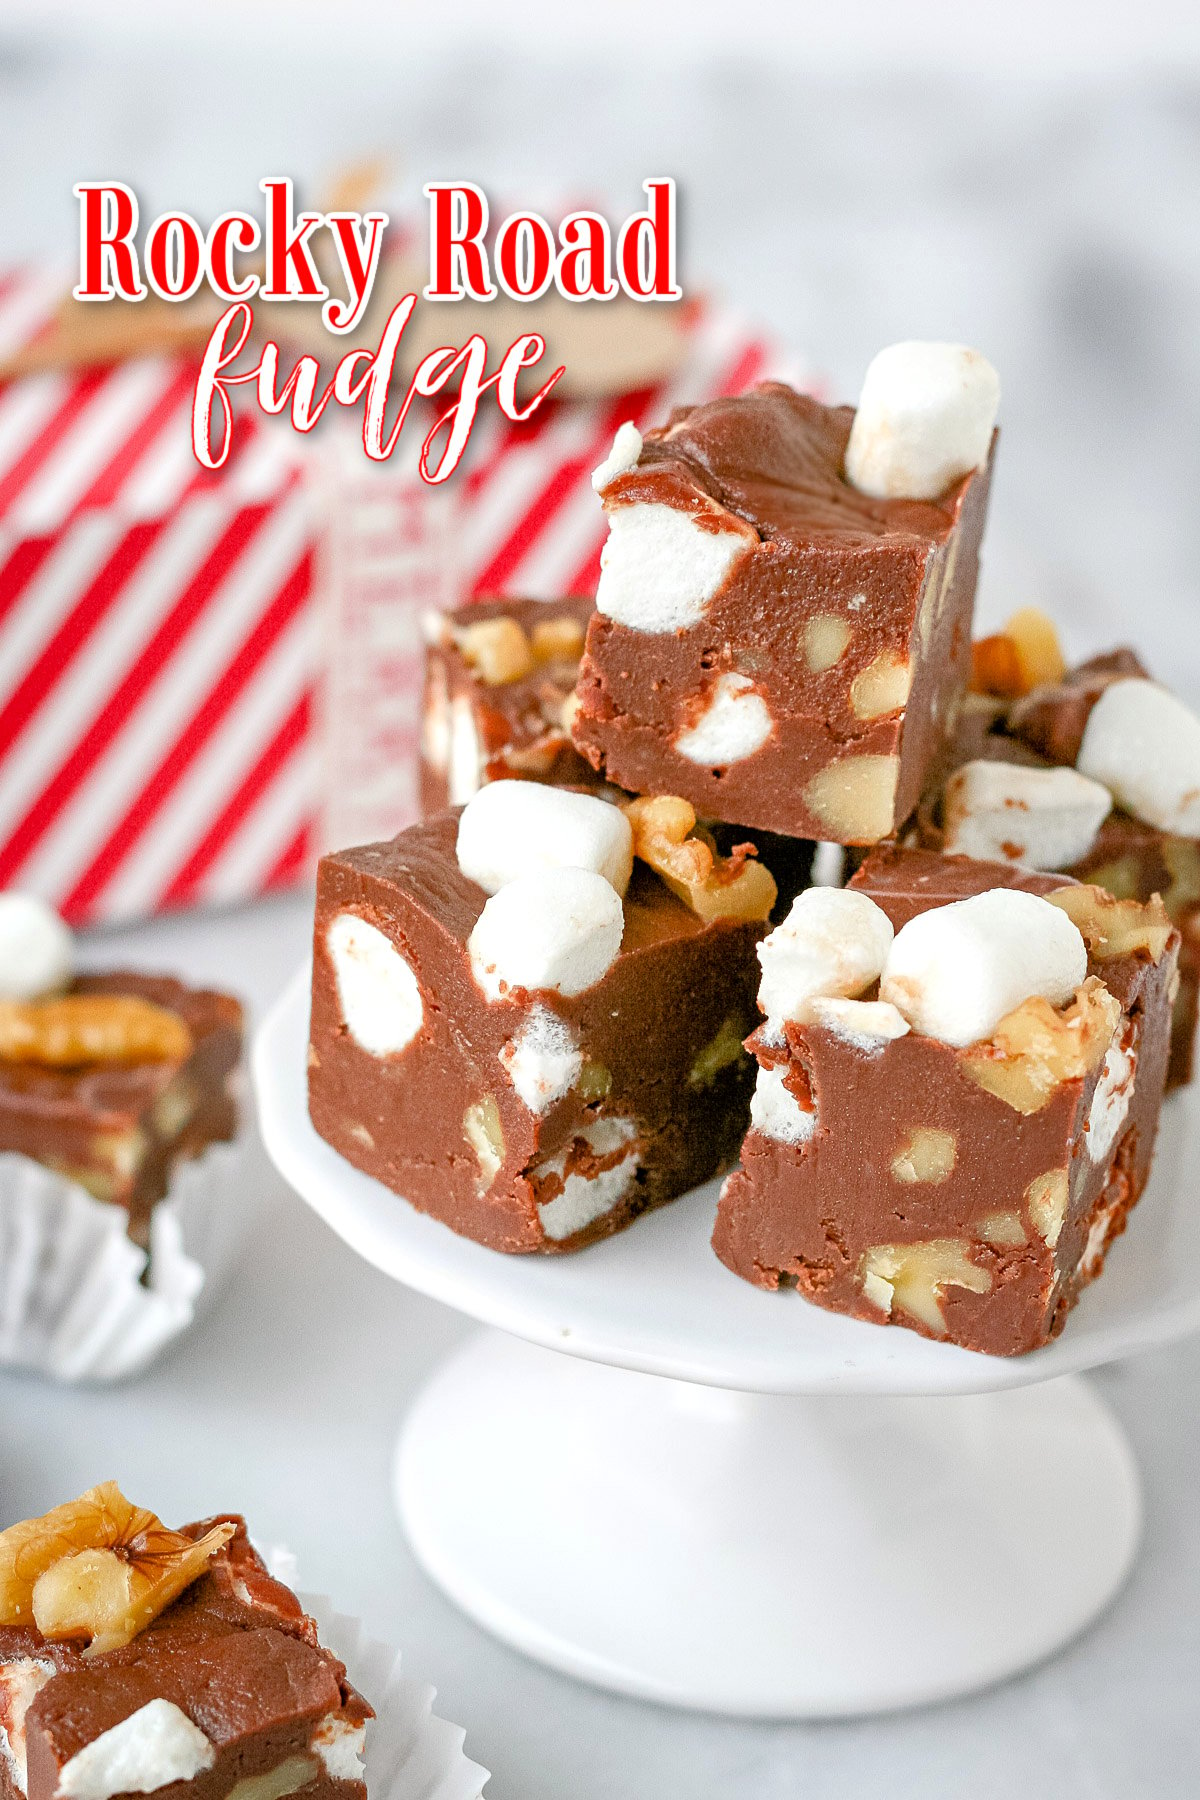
column 1037, row 1047
column 667, row 839
column 78, row 1030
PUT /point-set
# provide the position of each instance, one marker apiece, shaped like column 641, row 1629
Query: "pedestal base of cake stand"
column 759, row 1555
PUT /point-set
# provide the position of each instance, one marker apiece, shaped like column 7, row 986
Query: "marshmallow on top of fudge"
column 783, row 616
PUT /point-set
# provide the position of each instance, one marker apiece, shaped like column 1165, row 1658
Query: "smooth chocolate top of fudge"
column 235, row 1652
column 775, row 458
column 116, row 1092
column 907, row 882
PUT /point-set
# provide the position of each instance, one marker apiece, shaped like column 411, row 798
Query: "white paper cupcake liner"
column 72, row 1301
column 411, row 1754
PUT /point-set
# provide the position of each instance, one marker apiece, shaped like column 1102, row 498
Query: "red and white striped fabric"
column 156, row 642
column 531, row 522
column 158, row 628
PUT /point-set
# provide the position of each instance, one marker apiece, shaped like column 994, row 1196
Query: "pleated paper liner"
column 73, row 1304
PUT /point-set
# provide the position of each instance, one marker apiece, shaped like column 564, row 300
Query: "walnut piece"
column 882, row 687
column 594, row 1082
column 720, row 1051
column 1112, row 927
column 1121, row 878
column 557, row 640
column 1003, row 1230
column 98, row 1569
column 496, row 649
column 824, row 641
column 928, row 1155
column 855, row 798
column 667, row 839
column 1037, row 1047
column 911, row 1277
column 485, row 1134
column 1046, row 1197
column 78, row 1030
column 1024, row 656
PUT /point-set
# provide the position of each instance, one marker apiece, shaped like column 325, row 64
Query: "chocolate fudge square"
column 499, row 690
column 775, row 646
column 1015, row 791
column 945, row 1169
column 120, row 1127
column 542, row 1111
column 223, row 1691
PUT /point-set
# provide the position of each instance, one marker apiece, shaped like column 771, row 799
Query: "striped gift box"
column 160, row 626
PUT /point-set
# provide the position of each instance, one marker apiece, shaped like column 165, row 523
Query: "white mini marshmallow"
column 556, row 929
column 1111, row 1100
column 465, row 754
column 1144, row 744
column 735, row 723
column 833, row 941
column 37, row 951
column 626, row 448
column 543, row 1060
column 340, row 1745
column 775, row 1111
column 156, row 1745
column 924, row 419
column 660, row 569
column 955, row 971
column 586, row 1198
column 1005, row 812
column 514, row 828
column 867, row 1024
column 379, row 993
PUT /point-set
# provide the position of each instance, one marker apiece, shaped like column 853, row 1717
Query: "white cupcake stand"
column 702, row 1494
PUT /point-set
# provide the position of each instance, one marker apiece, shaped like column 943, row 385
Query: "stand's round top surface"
column 655, row 1298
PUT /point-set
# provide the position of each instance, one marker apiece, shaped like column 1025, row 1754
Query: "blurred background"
column 1023, row 177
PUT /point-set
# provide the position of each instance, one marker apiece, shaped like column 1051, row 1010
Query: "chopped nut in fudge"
column 134, row 1659
column 1093, row 771
column 499, row 693
column 781, row 647
column 109, row 1079
column 960, row 1075
column 527, row 1015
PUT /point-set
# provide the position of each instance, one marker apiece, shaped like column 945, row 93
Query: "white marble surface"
column 1054, row 222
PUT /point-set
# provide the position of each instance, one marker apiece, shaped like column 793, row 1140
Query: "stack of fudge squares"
column 599, row 972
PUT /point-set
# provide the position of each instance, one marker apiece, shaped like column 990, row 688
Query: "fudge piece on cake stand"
column 960, row 1076
column 528, row 1014
column 784, row 614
